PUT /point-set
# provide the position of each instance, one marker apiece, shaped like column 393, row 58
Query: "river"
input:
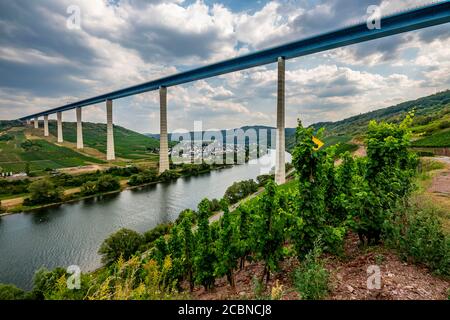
column 71, row 233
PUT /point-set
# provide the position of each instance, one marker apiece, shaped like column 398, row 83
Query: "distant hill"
column 432, row 119
column 255, row 127
column 427, row 108
column 128, row 144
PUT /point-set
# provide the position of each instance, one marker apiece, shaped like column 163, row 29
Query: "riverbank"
column 72, row 233
column 15, row 205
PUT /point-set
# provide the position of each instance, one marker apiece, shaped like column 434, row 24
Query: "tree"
column 123, row 243
column 188, row 249
column 107, row 183
column 227, row 246
column 268, row 233
column 10, row 292
column 43, row 191
column 204, row 257
column 89, row 188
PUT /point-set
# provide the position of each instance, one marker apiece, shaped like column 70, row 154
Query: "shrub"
column 160, row 230
column 387, row 179
column 263, row 179
column 145, row 177
column 169, row 175
column 240, row 190
column 311, row 279
column 43, row 191
column 89, row 188
column 227, row 246
column 124, row 243
column 136, row 280
column 444, row 125
column 11, row 292
column 45, row 281
column 312, row 183
column 268, row 233
column 107, row 183
column 204, row 256
column 420, row 237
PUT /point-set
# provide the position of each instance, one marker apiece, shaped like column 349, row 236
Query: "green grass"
column 40, row 155
column 440, row 139
column 128, row 144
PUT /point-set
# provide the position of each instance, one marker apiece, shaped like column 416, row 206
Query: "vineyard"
column 364, row 198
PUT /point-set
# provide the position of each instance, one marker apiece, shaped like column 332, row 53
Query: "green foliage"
column 169, row 175
column 105, row 183
column 440, row 139
column 45, row 281
column 189, row 245
column 89, row 188
column 175, row 249
column 418, row 235
column 264, row 178
column 135, row 279
column 159, row 231
column 204, row 257
column 127, row 143
column 122, row 171
column 108, row 183
column 244, row 235
column 39, row 154
column 13, row 187
column 268, row 233
column 311, row 279
column 124, row 243
column 10, row 292
column 145, row 177
column 311, row 169
column 387, row 179
column 240, row 190
column 227, row 246
column 6, row 137
column 43, row 191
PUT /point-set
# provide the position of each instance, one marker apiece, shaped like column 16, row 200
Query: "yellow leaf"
column 318, row 142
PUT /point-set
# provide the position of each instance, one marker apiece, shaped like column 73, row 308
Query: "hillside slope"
column 128, row 144
column 17, row 152
column 430, row 126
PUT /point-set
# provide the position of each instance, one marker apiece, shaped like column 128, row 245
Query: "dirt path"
column 441, row 180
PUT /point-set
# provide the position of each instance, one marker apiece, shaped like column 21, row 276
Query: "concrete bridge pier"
column 46, row 125
column 163, row 138
column 28, row 122
column 36, row 123
column 59, row 125
column 80, row 144
column 280, row 166
column 110, row 152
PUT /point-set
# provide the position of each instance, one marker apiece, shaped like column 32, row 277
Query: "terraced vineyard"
column 128, row 144
column 17, row 151
column 440, row 139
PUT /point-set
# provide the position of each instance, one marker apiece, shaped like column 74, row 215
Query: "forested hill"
column 426, row 107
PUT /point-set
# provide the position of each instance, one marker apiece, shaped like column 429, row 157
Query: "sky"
column 46, row 62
